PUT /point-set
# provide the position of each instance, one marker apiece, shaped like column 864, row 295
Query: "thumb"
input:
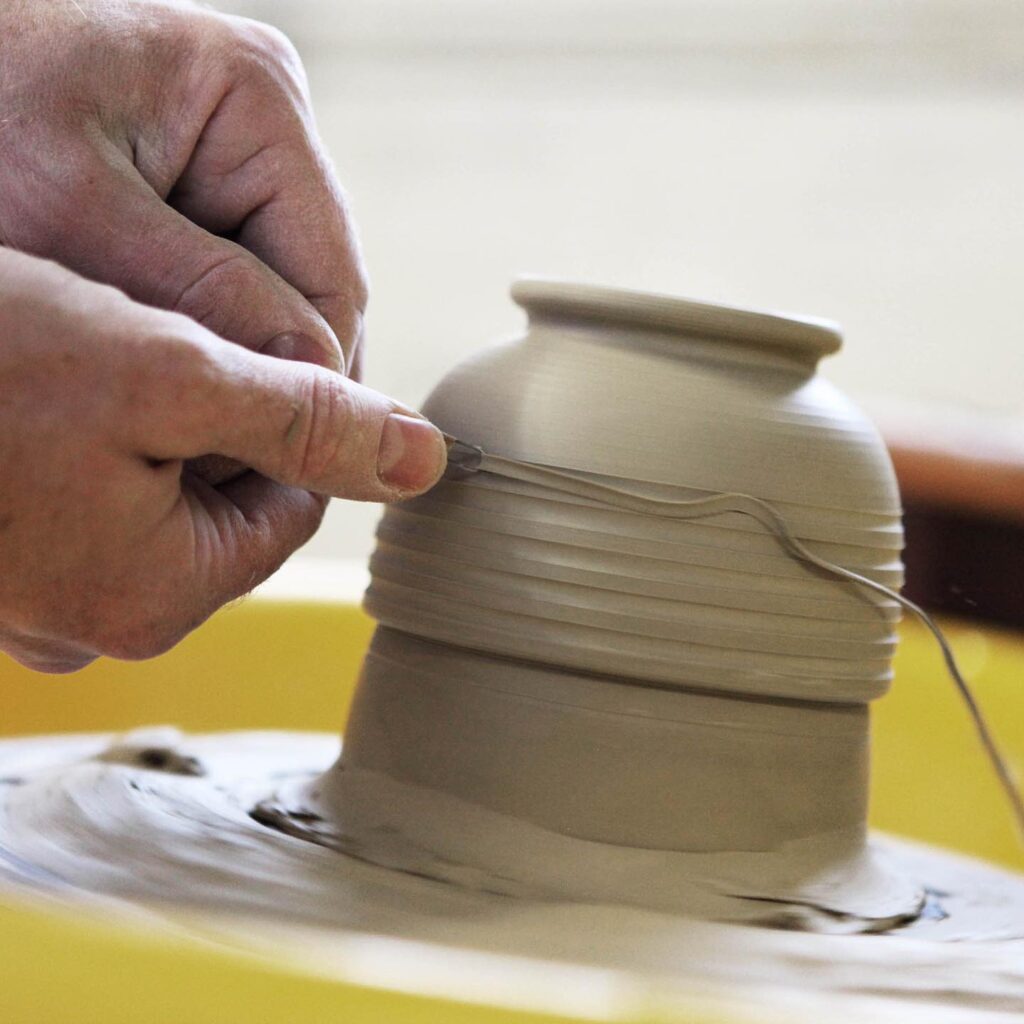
column 297, row 424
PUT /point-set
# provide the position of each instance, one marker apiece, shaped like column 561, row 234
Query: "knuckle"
column 273, row 43
column 169, row 364
column 323, row 428
column 166, row 386
column 187, row 34
column 203, row 297
column 227, row 272
column 266, row 52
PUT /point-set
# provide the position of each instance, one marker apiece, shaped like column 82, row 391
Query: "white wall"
column 858, row 160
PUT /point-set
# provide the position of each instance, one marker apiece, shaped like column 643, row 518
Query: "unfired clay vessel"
column 665, row 691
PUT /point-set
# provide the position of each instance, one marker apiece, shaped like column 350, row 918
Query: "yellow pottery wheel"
column 287, row 659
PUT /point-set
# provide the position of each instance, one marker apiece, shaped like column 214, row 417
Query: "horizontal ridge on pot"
column 672, row 399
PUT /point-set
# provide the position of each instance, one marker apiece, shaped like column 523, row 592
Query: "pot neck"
column 676, row 328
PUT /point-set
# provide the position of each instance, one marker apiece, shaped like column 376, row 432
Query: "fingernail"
column 302, row 348
column 412, row 453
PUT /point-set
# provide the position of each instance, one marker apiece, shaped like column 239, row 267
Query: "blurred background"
column 855, row 159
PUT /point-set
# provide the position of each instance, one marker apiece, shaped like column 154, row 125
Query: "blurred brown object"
column 962, row 480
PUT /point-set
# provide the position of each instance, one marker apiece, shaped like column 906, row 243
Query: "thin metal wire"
column 466, row 460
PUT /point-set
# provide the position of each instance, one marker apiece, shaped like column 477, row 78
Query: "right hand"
column 108, row 545
column 171, row 151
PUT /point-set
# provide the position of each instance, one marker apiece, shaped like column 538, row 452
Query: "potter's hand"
column 106, row 545
column 171, row 151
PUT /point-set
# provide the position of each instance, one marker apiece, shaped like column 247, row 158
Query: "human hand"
column 170, row 151
column 107, row 545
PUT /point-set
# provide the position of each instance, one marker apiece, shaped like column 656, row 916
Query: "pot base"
column 166, row 818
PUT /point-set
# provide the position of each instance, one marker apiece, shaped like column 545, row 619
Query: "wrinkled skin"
column 170, row 153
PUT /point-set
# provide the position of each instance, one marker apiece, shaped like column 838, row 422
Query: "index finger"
column 260, row 172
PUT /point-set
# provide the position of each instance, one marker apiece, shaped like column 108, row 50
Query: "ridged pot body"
column 598, row 685
column 670, row 399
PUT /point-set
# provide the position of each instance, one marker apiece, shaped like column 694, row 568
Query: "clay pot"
column 678, row 686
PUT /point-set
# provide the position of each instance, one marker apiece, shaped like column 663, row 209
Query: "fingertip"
column 412, row 454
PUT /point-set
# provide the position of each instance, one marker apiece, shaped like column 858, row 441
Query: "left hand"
column 171, row 151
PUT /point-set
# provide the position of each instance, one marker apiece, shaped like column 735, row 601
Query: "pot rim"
column 552, row 299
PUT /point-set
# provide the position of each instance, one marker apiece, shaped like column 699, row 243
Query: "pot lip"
column 550, row 298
